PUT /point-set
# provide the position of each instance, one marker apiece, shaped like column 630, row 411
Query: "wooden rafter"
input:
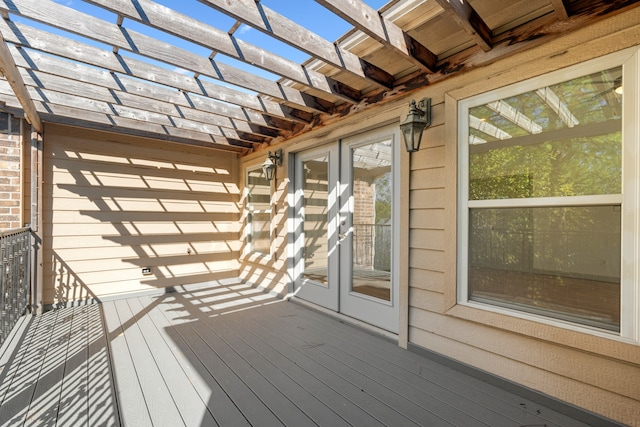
column 560, row 9
column 370, row 22
column 266, row 20
column 109, row 122
column 10, row 71
column 71, row 20
column 469, row 20
column 107, row 88
column 164, row 18
column 261, row 111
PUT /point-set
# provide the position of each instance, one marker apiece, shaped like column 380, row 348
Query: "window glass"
column 258, row 211
column 544, row 224
column 563, row 262
column 559, row 140
column 315, row 222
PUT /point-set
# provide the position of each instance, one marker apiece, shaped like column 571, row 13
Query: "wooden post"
column 403, row 267
column 37, row 156
column 10, row 70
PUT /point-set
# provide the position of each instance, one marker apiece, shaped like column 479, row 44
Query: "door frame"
column 367, row 309
column 325, row 296
column 401, row 238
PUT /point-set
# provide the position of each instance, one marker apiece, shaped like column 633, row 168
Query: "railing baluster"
column 15, row 280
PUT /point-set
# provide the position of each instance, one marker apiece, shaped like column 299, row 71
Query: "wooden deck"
column 231, row 355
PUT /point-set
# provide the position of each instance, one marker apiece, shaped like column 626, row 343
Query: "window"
column 258, row 207
column 548, row 200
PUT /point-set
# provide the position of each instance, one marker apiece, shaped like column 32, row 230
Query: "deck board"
column 250, row 406
column 133, row 408
column 399, row 373
column 229, row 355
column 190, row 406
column 101, row 399
column 20, row 374
column 162, row 407
column 74, row 408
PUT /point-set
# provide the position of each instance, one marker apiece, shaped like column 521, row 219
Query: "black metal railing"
column 15, row 249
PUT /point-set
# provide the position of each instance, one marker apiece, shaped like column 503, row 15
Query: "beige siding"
column 599, row 374
column 268, row 271
column 115, row 204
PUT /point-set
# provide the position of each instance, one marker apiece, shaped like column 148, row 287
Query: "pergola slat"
column 172, row 22
column 10, row 71
column 71, row 20
column 469, row 20
column 23, row 35
column 130, row 92
column 50, row 90
column 560, row 9
column 94, row 120
column 137, row 83
column 370, row 22
column 266, row 20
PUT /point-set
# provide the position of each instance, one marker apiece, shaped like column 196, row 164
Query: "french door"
column 345, row 246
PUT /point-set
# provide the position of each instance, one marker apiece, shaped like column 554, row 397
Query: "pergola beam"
column 469, row 20
column 110, row 122
column 131, row 93
column 369, row 21
column 560, row 9
column 269, row 22
column 71, row 20
column 10, row 70
column 261, row 110
column 165, row 19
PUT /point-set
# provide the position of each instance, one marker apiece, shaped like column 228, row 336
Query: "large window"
column 548, row 194
column 258, row 206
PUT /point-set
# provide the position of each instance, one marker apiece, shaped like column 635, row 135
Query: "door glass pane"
column 371, row 268
column 562, row 262
column 315, row 226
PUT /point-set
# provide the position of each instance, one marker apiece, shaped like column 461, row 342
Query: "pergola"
column 135, row 83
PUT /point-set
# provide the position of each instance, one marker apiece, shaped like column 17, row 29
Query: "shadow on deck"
column 228, row 354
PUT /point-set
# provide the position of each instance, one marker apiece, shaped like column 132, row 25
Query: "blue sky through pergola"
column 307, row 13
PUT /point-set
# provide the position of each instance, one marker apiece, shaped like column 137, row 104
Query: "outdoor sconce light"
column 417, row 120
column 273, row 161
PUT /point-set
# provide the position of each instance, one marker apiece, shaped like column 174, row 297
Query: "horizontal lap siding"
column 269, row 271
column 114, row 205
column 598, row 374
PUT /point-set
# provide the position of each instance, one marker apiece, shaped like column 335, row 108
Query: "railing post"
column 37, row 156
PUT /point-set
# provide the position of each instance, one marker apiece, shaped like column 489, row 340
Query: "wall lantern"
column 273, row 161
column 417, row 120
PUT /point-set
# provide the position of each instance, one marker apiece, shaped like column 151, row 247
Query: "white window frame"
column 629, row 59
column 249, row 251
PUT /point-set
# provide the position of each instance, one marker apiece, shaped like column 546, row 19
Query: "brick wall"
column 10, row 173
